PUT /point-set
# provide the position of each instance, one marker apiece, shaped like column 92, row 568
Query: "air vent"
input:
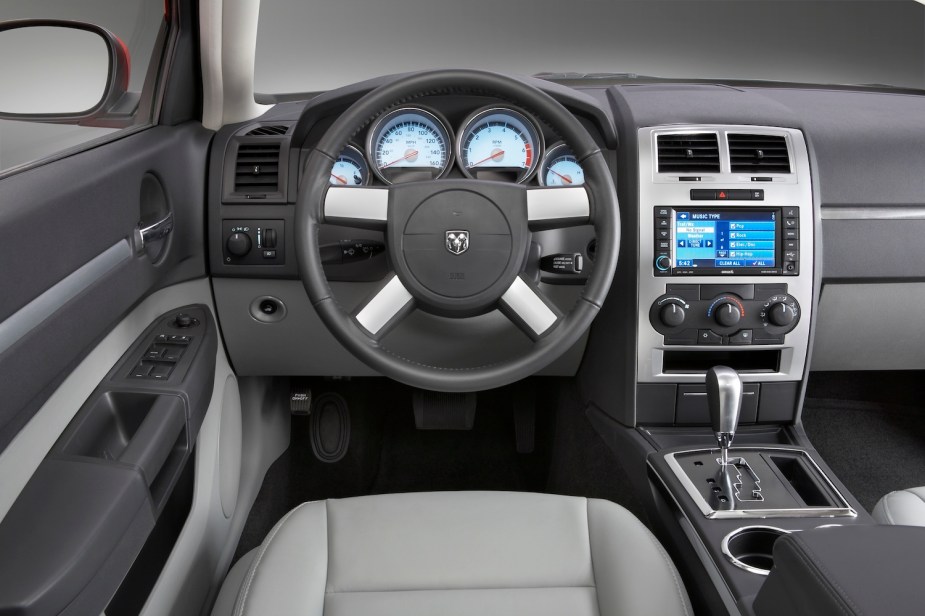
column 268, row 130
column 688, row 153
column 257, row 169
column 759, row 154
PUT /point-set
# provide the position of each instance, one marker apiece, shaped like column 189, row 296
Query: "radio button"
column 663, row 211
column 662, row 223
column 662, row 263
column 700, row 194
column 791, row 234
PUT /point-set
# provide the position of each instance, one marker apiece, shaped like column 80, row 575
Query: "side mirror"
column 63, row 72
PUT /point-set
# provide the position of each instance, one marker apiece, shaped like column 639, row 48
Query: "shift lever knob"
column 724, row 395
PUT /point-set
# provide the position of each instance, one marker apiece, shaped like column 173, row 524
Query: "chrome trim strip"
column 18, row 325
column 388, row 302
column 803, row 512
column 356, row 202
column 873, row 213
column 524, row 301
column 557, row 203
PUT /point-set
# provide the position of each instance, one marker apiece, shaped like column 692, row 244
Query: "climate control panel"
column 708, row 314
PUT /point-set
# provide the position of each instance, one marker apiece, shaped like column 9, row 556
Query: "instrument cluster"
column 413, row 143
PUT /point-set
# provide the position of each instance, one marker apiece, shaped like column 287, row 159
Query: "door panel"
column 57, row 218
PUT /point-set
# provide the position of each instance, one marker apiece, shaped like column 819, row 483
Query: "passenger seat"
column 902, row 507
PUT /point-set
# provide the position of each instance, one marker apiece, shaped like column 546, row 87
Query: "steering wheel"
column 479, row 268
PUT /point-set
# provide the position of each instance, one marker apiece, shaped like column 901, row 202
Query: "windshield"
column 307, row 46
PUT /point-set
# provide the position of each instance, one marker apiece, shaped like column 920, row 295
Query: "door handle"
column 153, row 232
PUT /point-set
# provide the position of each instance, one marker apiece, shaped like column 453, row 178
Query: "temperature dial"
column 672, row 315
column 727, row 315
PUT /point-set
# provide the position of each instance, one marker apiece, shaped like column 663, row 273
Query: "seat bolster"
column 289, row 572
column 632, row 572
column 902, row 508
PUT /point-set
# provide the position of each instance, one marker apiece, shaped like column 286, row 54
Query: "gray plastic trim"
column 873, row 213
column 33, row 314
column 524, row 301
column 558, row 203
column 355, row 202
column 384, row 306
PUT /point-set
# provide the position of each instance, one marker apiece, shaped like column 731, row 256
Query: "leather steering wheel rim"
column 602, row 209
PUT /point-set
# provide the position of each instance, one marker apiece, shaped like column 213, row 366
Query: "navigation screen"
column 725, row 239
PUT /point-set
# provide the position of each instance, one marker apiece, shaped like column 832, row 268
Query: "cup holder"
column 750, row 547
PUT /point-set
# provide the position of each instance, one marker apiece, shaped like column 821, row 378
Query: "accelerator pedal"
column 330, row 427
column 443, row 411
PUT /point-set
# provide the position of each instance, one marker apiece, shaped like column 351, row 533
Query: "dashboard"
column 754, row 234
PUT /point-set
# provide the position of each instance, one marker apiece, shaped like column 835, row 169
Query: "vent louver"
column 698, row 153
column 268, row 130
column 257, row 169
column 759, row 154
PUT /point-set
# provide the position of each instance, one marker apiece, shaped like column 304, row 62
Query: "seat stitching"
column 477, row 589
column 263, row 549
column 597, row 598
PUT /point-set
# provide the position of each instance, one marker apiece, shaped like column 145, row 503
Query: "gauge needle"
column 490, row 157
column 565, row 178
column 410, row 154
column 339, row 179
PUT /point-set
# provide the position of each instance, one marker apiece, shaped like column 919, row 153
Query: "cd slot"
column 688, row 362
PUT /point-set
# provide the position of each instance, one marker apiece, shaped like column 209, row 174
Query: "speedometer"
column 499, row 143
column 409, row 144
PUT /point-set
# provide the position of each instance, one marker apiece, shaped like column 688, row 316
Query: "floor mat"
column 873, row 447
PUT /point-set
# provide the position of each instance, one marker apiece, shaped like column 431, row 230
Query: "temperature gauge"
column 560, row 168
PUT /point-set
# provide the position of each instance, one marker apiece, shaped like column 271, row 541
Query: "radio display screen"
column 726, row 239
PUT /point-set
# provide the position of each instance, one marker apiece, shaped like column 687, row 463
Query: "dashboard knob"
column 672, row 315
column 663, row 263
column 238, row 244
column 727, row 314
column 781, row 314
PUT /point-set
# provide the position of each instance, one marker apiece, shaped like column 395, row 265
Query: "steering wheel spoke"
column 527, row 307
column 357, row 206
column 386, row 309
column 554, row 208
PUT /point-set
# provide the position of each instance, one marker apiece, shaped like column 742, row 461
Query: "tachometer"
column 560, row 168
column 499, row 143
column 350, row 168
column 409, row 144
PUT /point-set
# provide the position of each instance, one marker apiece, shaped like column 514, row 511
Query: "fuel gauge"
column 560, row 168
column 350, row 168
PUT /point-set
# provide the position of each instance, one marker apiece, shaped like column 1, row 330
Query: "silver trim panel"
column 873, row 213
column 557, row 203
column 738, row 563
column 524, row 302
column 33, row 314
column 357, row 203
column 805, row 512
column 655, row 189
column 384, row 306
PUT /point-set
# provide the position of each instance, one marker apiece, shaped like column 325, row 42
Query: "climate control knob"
column 238, row 244
column 671, row 315
column 727, row 315
column 781, row 314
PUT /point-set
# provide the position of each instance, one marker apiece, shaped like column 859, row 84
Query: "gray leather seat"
column 902, row 507
column 456, row 554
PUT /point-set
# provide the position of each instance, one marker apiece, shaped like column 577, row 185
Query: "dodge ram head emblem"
column 457, row 242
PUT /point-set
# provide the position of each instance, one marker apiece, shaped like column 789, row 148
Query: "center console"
column 727, row 247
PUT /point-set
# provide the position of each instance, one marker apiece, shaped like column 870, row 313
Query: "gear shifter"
column 724, row 395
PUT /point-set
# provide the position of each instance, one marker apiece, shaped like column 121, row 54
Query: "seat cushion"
column 903, row 508
column 459, row 553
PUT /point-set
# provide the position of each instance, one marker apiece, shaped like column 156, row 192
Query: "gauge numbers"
column 560, row 168
column 499, row 143
column 350, row 169
column 409, row 144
